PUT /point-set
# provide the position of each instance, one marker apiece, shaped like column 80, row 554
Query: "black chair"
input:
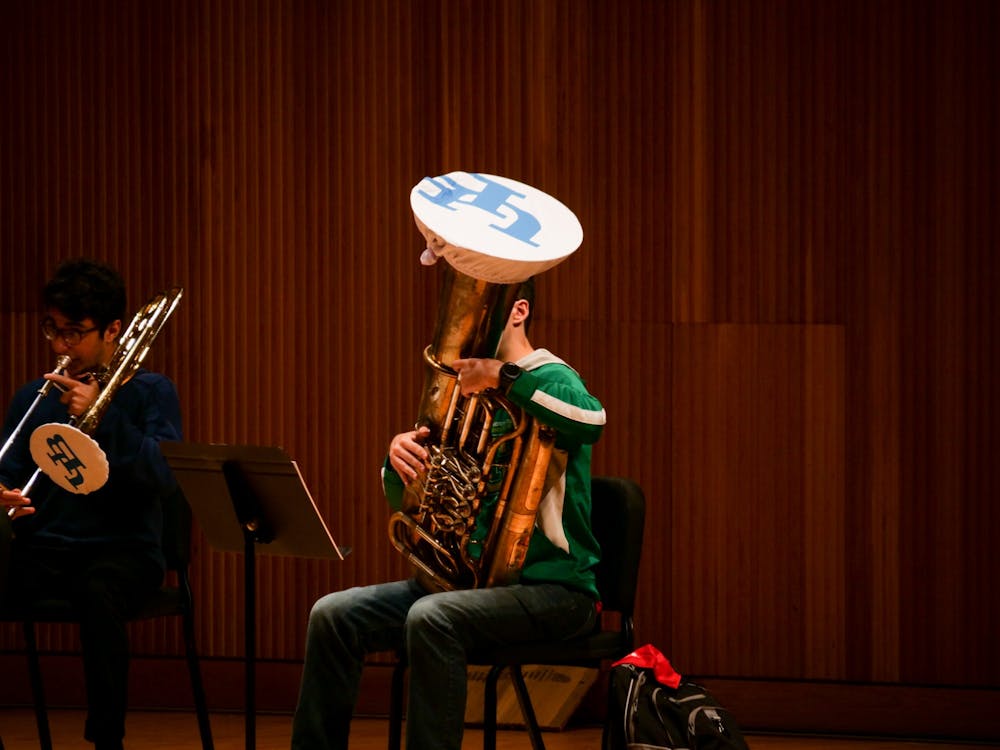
column 173, row 599
column 618, row 518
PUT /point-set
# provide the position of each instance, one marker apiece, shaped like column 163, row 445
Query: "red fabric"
column 649, row 656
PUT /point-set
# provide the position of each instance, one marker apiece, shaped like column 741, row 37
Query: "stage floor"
column 154, row 730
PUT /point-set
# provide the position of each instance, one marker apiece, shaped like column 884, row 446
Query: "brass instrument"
column 62, row 363
column 442, row 507
column 65, row 451
column 133, row 346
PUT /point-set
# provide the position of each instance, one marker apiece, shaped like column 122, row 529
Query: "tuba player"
column 555, row 598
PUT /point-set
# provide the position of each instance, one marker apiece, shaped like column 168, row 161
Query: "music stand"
column 268, row 505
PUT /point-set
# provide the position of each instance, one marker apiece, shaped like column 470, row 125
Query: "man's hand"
column 14, row 499
column 476, row 375
column 407, row 455
column 78, row 395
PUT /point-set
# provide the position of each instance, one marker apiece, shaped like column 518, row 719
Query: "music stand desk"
column 248, row 498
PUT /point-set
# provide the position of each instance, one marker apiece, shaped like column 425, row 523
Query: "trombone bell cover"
column 71, row 458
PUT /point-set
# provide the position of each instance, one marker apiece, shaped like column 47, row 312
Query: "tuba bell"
column 467, row 520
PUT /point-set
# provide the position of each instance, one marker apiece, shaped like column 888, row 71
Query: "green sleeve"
column 555, row 395
column 392, row 486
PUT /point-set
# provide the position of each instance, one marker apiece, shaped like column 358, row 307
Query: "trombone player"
column 101, row 551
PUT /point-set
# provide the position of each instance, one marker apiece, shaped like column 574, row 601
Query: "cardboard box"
column 555, row 692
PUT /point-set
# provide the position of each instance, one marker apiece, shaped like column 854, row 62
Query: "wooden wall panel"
column 756, row 517
column 784, row 296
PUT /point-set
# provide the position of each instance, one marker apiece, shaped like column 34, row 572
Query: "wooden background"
column 784, row 298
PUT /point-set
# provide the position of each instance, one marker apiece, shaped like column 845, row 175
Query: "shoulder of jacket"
column 540, row 358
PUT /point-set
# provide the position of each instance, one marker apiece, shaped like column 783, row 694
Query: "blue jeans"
column 437, row 631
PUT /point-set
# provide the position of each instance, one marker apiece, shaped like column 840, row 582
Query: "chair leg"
column 37, row 689
column 490, row 709
column 396, row 706
column 197, row 685
column 527, row 710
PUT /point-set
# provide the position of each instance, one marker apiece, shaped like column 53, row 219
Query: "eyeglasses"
column 70, row 336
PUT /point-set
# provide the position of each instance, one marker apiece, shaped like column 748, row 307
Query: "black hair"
column 82, row 289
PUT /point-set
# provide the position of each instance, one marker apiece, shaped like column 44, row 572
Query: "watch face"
column 509, row 372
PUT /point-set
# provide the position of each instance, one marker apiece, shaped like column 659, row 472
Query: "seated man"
column 101, row 551
column 555, row 598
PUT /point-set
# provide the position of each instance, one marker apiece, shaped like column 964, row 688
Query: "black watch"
column 509, row 372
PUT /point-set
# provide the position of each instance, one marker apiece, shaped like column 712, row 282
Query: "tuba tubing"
column 507, row 544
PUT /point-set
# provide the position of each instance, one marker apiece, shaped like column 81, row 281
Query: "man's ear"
column 520, row 312
column 112, row 331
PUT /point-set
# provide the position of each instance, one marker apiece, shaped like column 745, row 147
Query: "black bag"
column 645, row 714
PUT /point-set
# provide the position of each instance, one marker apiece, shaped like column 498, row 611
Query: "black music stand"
column 244, row 496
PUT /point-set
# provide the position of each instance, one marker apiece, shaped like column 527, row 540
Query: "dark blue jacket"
column 126, row 511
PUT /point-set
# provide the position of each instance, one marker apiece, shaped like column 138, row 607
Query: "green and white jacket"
column 562, row 549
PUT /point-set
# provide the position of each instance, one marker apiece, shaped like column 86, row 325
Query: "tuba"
column 493, row 234
column 66, row 452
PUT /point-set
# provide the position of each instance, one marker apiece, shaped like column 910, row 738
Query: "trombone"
column 66, row 452
column 62, row 363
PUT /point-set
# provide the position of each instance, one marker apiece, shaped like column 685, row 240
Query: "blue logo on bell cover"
column 497, row 216
column 494, row 199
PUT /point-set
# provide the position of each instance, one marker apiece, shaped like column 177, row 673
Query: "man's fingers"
column 65, row 381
